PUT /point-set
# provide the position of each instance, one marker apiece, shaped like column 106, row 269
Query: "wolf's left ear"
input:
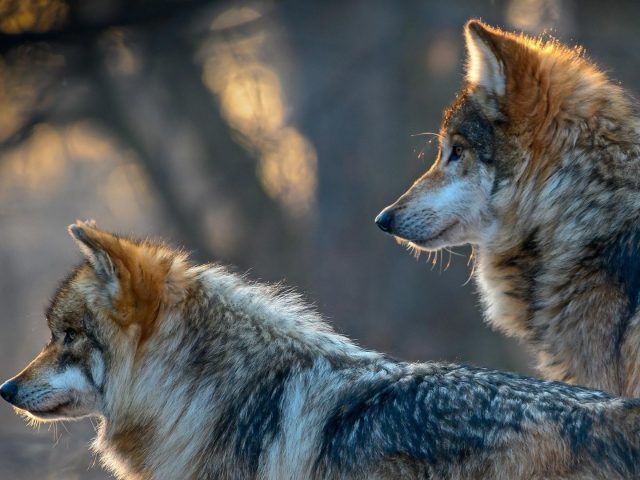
column 92, row 244
column 485, row 65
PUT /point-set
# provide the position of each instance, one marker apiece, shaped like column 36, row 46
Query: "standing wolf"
column 539, row 169
column 197, row 374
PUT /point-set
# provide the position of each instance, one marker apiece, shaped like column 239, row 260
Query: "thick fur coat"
column 539, row 169
column 196, row 373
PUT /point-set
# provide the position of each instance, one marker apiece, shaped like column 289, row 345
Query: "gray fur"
column 235, row 380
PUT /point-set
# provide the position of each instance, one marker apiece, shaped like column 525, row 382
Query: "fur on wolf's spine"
column 197, row 373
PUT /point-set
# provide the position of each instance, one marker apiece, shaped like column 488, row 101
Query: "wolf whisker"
column 437, row 135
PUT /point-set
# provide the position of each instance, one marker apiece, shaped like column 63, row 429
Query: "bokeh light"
column 253, row 103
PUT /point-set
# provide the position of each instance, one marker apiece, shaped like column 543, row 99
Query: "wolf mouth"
column 50, row 411
column 425, row 241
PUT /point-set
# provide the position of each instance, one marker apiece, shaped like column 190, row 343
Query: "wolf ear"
column 485, row 65
column 92, row 244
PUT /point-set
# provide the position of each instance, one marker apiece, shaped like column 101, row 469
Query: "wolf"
column 539, row 170
column 196, row 373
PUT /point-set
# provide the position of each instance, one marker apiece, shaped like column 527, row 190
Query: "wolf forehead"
column 68, row 306
column 466, row 118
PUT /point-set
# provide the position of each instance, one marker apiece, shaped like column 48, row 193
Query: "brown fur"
column 555, row 170
column 150, row 275
column 129, row 442
column 551, row 90
column 236, row 380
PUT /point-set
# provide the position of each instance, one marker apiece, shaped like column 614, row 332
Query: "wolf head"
column 527, row 107
column 99, row 319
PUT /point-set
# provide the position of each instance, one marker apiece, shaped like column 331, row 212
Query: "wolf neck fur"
column 560, row 268
column 265, row 328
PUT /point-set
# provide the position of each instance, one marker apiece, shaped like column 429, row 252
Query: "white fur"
column 445, row 198
column 463, row 199
column 484, row 67
column 69, row 379
column 298, row 445
column 96, row 364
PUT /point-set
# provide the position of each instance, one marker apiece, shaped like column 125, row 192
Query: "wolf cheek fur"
column 196, row 373
column 546, row 188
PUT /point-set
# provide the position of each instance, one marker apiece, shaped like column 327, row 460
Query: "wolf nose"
column 384, row 220
column 9, row 390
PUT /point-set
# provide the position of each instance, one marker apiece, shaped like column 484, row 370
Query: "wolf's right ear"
column 485, row 66
column 88, row 238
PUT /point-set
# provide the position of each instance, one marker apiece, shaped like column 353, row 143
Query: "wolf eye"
column 456, row 153
column 69, row 336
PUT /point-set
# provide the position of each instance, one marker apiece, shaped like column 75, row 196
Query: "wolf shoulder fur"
column 197, row 373
column 539, row 169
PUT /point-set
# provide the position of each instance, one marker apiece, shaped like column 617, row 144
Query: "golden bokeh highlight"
column 253, row 103
column 41, row 163
column 126, row 191
column 85, row 142
column 289, row 168
column 234, row 17
column 19, row 16
column 533, row 16
column 443, row 55
column 120, row 57
column 37, row 163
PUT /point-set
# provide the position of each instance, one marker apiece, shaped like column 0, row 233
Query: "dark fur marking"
column 260, row 418
column 66, row 359
column 620, row 258
column 253, row 419
column 86, row 370
column 445, row 416
column 526, row 261
column 466, row 118
column 477, row 130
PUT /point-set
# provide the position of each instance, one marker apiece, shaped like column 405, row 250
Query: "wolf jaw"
column 197, row 373
column 548, row 180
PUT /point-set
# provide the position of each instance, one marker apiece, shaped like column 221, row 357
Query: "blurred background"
column 262, row 134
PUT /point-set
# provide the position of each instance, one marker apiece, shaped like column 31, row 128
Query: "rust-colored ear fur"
column 139, row 279
column 541, row 88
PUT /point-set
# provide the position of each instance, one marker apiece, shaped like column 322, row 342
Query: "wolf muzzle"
column 9, row 390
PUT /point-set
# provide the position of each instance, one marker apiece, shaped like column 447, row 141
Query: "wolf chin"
column 539, row 169
column 196, row 373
